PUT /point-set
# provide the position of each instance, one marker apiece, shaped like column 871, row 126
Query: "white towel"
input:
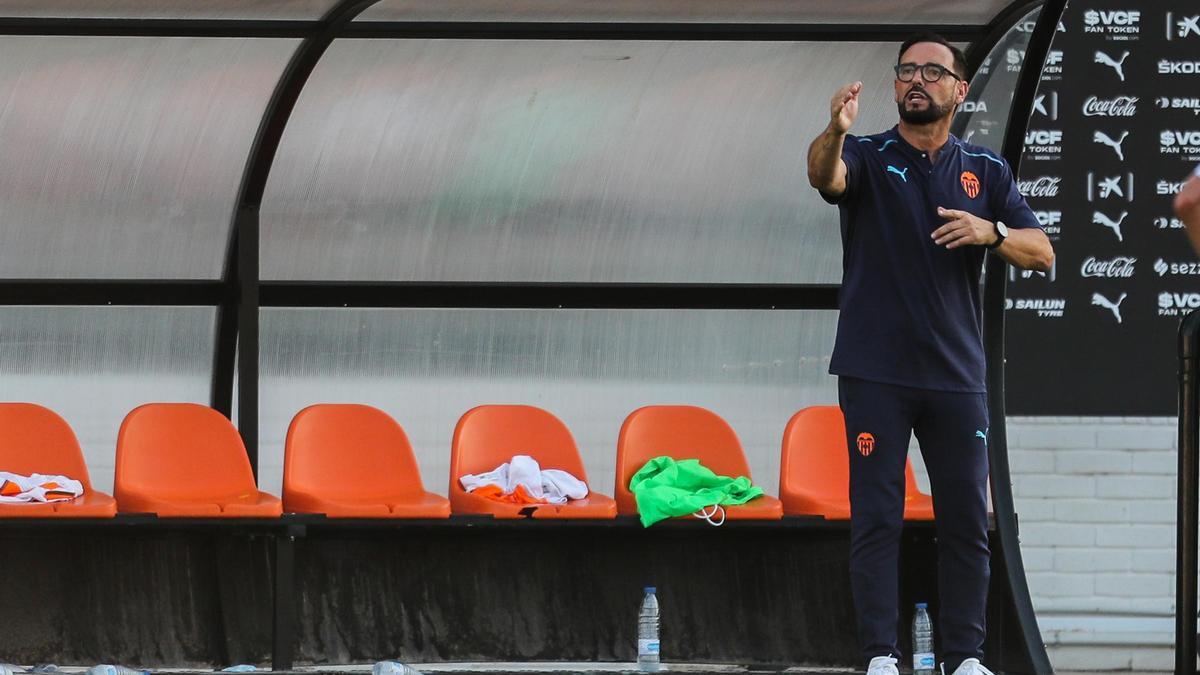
column 37, row 488
column 553, row 485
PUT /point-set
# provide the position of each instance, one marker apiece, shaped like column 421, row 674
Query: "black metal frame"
column 225, row 339
column 480, row 30
column 996, row 30
column 222, row 28
column 240, row 293
column 110, row 292
column 241, row 266
column 993, row 326
column 1188, row 495
column 555, row 295
column 629, row 30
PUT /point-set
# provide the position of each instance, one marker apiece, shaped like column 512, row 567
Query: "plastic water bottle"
column 106, row 669
column 922, row 641
column 648, row 632
column 393, row 668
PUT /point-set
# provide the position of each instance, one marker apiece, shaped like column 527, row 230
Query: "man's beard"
column 930, row 114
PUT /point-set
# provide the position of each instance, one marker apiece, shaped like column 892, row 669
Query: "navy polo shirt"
column 911, row 310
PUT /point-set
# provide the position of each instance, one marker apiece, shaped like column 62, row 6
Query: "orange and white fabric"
column 16, row 488
column 522, row 481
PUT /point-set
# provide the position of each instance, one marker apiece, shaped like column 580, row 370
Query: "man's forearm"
column 1028, row 249
column 824, row 157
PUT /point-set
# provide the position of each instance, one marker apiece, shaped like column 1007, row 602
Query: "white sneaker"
column 883, row 665
column 972, row 667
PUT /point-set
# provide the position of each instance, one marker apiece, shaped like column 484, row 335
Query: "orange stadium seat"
column 34, row 439
column 814, row 472
column 685, row 432
column 354, row 461
column 491, row 435
column 186, row 460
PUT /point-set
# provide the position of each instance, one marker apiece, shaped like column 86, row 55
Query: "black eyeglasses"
column 930, row 72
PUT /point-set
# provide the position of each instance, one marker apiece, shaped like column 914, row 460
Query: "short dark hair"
column 960, row 60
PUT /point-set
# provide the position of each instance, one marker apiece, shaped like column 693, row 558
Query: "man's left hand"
column 963, row 229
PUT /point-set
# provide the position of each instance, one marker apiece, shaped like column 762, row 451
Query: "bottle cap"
column 650, row 589
column 922, row 605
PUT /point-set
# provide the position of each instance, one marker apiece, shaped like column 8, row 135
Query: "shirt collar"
column 951, row 142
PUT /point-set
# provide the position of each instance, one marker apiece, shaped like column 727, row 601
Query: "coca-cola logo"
column 1120, row 106
column 1043, row 186
column 1120, row 267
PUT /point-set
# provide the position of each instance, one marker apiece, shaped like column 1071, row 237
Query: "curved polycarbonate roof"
column 544, row 161
column 412, row 159
column 123, row 155
column 974, row 12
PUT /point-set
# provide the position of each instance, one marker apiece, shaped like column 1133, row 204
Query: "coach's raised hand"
column 826, row 170
column 843, row 108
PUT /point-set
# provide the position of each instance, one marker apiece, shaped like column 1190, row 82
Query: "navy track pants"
column 951, row 429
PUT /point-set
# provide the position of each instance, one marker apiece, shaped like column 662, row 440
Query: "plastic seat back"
column 489, row 435
column 815, row 465
column 347, row 450
column 814, row 459
column 680, row 432
column 181, row 451
column 34, row 439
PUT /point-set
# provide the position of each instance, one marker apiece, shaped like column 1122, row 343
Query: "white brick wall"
column 1096, row 500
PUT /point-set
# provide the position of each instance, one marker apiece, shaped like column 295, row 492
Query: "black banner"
column 1114, row 133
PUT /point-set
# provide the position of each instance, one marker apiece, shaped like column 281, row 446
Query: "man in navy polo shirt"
column 919, row 209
